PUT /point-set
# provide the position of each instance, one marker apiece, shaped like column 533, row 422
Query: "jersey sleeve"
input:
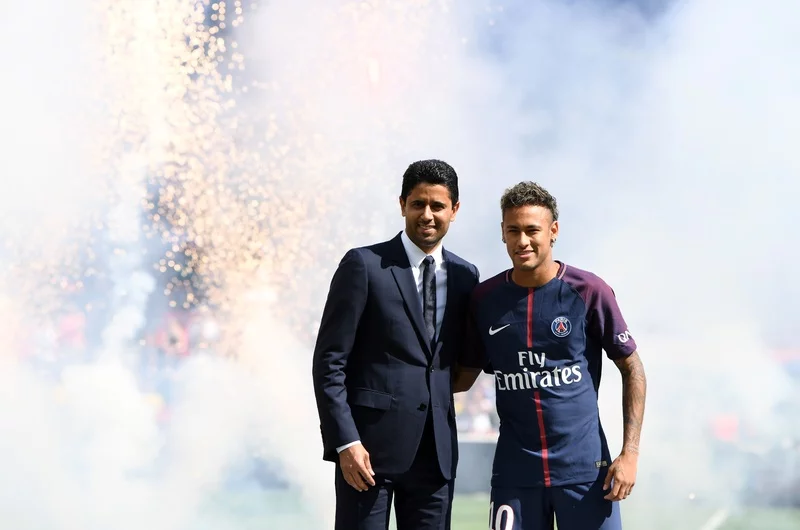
column 607, row 324
column 474, row 353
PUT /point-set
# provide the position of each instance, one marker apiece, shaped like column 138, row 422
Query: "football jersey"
column 544, row 348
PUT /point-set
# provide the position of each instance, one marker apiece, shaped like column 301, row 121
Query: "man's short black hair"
column 430, row 172
column 528, row 194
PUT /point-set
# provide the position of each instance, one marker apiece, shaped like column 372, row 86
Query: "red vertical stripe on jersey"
column 542, row 437
column 530, row 318
column 537, row 399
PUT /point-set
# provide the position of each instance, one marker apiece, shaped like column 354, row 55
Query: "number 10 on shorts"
column 503, row 520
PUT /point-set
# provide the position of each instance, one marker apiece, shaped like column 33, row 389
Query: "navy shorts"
column 577, row 507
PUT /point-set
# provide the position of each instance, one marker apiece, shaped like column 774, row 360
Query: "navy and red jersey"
column 544, row 347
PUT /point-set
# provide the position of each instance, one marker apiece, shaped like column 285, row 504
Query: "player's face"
column 529, row 232
column 429, row 211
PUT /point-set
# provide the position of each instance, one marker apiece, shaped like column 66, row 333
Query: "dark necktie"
column 429, row 296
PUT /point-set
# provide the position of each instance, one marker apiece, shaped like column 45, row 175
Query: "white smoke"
column 666, row 136
column 666, row 140
column 47, row 180
column 84, row 447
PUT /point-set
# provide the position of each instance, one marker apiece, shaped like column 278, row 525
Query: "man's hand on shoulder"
column 621, row 476
column 356, row 467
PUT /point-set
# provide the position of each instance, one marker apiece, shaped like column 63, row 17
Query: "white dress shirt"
column 415, row 257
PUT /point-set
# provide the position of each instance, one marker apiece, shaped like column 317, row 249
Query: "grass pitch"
column 472, row 513
column 262, row 509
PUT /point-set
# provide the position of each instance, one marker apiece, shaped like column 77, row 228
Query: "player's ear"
column 502, row 233
column 402, row 206
column 553, row 233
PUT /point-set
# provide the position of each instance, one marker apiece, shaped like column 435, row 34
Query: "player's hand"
column 356, row 468
column 621, row 476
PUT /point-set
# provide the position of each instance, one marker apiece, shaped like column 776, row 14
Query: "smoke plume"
column 664, row 133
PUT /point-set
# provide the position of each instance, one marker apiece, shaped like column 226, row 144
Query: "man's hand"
column 356, row 468
column 621, row 476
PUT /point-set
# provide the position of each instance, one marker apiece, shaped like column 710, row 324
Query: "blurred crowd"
column 173, row 334
column 74, row 337
column 476, row 416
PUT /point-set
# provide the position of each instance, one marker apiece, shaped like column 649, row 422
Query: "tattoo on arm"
column 634, row 392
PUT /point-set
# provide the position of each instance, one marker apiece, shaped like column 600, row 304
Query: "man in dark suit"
column 390, row 334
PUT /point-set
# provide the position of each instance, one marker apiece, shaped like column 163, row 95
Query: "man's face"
column 528, row 232
column 428, row 211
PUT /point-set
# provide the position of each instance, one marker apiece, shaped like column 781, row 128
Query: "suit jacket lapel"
column 408, row 289
column 449, row 310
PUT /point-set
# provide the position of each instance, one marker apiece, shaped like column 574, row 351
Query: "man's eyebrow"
column 512, row 225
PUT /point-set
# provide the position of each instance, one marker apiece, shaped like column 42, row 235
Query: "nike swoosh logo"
column 501, row 328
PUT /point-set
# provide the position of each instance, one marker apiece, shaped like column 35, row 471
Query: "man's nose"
column 427, row 214
column 524, row 241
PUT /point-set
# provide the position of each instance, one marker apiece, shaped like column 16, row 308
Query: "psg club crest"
column 561, row 327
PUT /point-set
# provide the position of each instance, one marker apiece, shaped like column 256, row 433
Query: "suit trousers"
column 422, row 497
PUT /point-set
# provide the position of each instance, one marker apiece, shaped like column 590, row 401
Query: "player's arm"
column 634, row 393
column 472, row 359
column 610, row 327
column 465, row 378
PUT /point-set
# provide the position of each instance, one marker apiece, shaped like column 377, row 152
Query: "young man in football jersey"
column 540, row 329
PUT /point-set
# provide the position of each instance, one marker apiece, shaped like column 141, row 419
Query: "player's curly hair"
column 528, row 194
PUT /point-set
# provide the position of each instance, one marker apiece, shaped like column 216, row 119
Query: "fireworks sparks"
column 198, row 178
column 247, row 190
column 231, row 196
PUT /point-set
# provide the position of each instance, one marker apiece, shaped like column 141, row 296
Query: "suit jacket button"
column 422, row 406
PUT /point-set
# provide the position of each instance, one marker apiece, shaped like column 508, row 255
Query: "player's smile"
column 529, row 232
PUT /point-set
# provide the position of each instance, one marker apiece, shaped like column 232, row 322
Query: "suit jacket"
column 376, row 375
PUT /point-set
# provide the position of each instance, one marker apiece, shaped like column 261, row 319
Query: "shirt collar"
column 416, row 254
